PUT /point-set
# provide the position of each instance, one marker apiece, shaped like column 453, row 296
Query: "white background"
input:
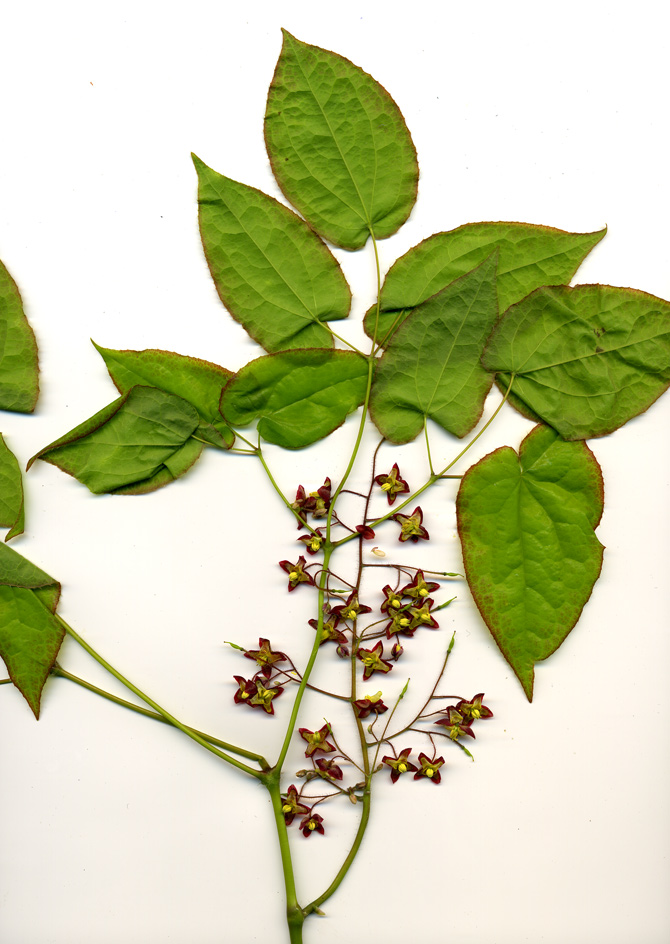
column 114, row 827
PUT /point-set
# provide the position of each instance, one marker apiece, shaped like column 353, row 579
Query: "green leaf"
column 431, row 367
column 30, row 634
column 195, row 380
column 131, row 442
column 531, row 558
column 19, row 372
column 11, row 492
column 586, row 359
column 274, row 275
column 298, row 397
column 530, row 256
column 339, row 146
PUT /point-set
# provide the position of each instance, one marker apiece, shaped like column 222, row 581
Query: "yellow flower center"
column 286, row 808
column 429, row 771
column 423, row 592
column 386, row 486
column 312, row 825
column 244, row 695
column 402, row 768
column 395, row 603
column 315, row 544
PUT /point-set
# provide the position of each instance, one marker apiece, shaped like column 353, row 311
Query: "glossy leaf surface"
column 338, row 146
column 431, row 367
column 274, row 275
column 529, row 256
column 19, row 372
column 134, row 442
column 298, row 397
column 11, row 492
column 531, row 557
column 30, row 635
column 586, row 359
column 195, row 380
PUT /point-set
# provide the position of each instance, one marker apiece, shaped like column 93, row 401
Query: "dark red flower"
column 296, row 573
column 265, row 657
column 365, row 532
column 313, row 542
column 317, row 740
column 312, row 824
column 330, row 632
column 393, row 484
column 246, row 689
column 264, row 696
column 457, row 725
column 329, row 769
column 400, row 764
column 291, row 805
column 421, row 615
column 411, row 526
column 372, row 660
column 401, row 623
column 474, row 710
column 418, row 588
column 365, row 706
column 429, row 768
column 392, row 600
column 396, row 651
column 351, row 609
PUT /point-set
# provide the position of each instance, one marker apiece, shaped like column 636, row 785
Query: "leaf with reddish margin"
column 531, row 557
column 19, row 371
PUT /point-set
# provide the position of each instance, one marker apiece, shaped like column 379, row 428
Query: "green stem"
column 60, row 672
column 149, row 701
column 295, row 915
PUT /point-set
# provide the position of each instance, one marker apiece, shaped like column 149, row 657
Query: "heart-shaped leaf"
column 273, row 274
column 195, row 380
column 138, row 443
column 531, row 557
column 339, row 146
column 585, row 359
column 19, row 372
column 30, row 634
column 298, row 397
column 11, row 492
column 529, row 256
column 431, row 367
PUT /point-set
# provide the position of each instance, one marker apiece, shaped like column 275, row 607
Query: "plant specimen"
column 481, row 305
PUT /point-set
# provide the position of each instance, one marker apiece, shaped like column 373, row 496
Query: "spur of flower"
column 392, row 483
column 411, row 526
column 400, row 764
column 372, row 660
column 296, row 573
column 430, row 768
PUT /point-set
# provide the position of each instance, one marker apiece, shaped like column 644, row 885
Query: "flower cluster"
column 408, row 608
column 401, row 764
column 315, row 503
column 458, row 719
column 261, row 690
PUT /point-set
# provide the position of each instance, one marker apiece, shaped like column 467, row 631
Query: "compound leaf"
column 11, row 492
column 531, row 557
column 585, row 359
column 339, row 146
column 431, row 367
column 195, row 380
column 274, row 275
column 298, row 397
column 30, row 634
column 129, row 443
column 19, row 372
column 529, row 256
